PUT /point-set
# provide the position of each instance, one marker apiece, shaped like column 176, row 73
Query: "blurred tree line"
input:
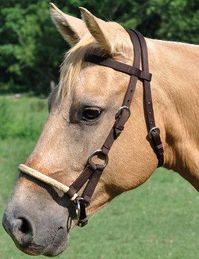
column 31, row 49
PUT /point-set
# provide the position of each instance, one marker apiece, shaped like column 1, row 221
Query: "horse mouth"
column 31, row 249
column 57, row 246
column 52, row 249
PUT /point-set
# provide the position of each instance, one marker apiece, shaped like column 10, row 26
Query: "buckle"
column 98, row 155
column 77, row 207
column 154, row 136
column 119, row 112
column 152, row 131
column 81, row 205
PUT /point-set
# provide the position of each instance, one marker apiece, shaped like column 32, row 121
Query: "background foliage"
column 31, row 49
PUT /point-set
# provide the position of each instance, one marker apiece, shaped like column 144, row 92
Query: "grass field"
column 158, row 220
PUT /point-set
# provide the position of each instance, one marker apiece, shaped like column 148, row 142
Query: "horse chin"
column 55, row 247
column 58, row 244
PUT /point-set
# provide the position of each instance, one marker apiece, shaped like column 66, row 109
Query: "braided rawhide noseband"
column 92, row 171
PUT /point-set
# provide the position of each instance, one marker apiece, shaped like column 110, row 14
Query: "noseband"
column 92, row 171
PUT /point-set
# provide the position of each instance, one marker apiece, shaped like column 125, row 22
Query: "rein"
column 92, row 171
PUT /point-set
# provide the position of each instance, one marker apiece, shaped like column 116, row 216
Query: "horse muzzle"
column 34, row 238
column 38, row 223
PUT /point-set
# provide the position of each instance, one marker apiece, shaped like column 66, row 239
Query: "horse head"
column 81, row 112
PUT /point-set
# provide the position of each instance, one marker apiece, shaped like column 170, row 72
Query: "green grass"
column 21, row 117
column 157, row 220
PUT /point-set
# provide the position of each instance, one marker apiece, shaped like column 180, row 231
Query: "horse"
column 82, row 110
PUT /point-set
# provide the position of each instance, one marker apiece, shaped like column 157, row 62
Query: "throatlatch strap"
column 154, row 132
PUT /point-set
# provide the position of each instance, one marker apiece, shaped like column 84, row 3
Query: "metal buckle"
column 77, row 207
column 153, row 130
column 119, row 112
column 100, row 155
column 77, row 202
column 81, row 216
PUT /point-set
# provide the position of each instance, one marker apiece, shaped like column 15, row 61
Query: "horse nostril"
column 25, row 226
column 22, row 231
column 19, row 228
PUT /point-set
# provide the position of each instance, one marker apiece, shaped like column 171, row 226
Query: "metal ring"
column 119, row 112
column 151, row 130
column 102, row 156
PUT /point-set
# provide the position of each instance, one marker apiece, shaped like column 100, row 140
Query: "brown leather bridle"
column 92, row 171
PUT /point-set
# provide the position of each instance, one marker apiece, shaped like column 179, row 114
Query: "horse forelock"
column 74, row 58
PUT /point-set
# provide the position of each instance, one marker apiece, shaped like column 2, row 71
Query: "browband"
column 119, row 66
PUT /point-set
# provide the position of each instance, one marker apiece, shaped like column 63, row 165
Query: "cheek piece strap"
column 90, row 176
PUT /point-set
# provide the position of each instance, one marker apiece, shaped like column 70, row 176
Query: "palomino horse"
column 82, row 111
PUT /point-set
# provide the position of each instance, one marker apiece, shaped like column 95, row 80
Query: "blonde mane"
column 72, row 64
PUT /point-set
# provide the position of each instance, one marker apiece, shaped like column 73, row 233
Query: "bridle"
column 92, row 171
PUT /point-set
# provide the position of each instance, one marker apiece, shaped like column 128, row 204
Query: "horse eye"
column 91, row 113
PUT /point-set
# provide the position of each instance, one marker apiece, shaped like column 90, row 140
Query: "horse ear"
column 72, row 29
column 97, row 27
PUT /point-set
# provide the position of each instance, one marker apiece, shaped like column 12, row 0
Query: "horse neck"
column 176, row 94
